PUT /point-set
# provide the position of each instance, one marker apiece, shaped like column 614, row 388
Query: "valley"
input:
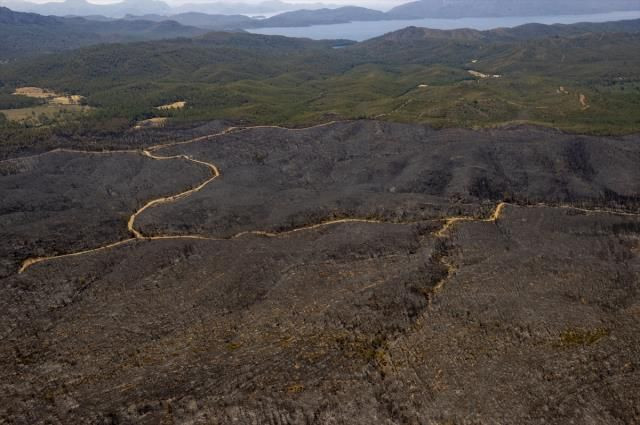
column 426, row 227
column 263, row 80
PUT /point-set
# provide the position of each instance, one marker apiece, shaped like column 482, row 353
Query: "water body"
column 359, row 31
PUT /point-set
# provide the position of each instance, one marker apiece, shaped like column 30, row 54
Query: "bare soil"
column 174, row 105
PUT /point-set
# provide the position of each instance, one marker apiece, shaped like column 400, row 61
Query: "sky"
column 386, row 4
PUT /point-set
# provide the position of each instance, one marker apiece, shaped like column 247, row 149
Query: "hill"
column 302, row 18
column 201, row 20
column 120, row 9
column 267, row 7
column 519, row 33
column 411, row 10
column 298, row 18
column 580, row 77
column 85, row 8
column 353, row 273
column 25, row 34
column 245, row 229
column 471, row 8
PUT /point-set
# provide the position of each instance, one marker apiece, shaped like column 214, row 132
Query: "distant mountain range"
column 302, row 18
column 25, row 34
column 484, row 8
column 147, row 7
column 287, row 19
column 413, row 10
column 201, row 20
column 225, row 16
column 527, row 32
column 268, row 7
column 84, row 8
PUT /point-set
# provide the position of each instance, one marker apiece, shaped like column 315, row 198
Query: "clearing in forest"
column 482, row 75
column 55, row 107
column 152, row 122
column 175, row 105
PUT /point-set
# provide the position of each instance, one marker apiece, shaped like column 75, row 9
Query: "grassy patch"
column 581, row 337
column 44, row 114
column 295, row 388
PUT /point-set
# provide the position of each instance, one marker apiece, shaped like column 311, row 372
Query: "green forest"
column 578, row 78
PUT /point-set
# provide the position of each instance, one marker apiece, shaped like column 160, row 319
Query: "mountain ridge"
column 319, row 13
column 570, row 77
column 26, row 34
column 453, row 9
column 520, row 32
column 145, row 7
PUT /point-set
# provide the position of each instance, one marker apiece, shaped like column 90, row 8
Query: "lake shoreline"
column 364, row 30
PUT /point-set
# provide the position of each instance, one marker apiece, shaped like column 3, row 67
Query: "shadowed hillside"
column 29, row 34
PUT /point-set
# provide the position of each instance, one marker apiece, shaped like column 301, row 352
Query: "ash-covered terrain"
column 351, row 273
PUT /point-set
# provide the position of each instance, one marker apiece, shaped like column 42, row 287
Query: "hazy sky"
column 371, row 3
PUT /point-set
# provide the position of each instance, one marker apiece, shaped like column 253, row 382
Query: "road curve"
column 448, row 223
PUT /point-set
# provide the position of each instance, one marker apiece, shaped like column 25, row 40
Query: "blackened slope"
column 278, row 179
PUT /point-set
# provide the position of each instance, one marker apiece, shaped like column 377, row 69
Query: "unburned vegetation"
column 407, row 76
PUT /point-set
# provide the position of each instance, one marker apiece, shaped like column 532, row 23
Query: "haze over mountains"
column 24, row 34
column 78, row 23
column 130, row 20
column 411, row 10
column 143, row 7
column 481, row 8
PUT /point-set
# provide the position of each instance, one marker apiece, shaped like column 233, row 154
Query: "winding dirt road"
column 215, row 173
column 442, row 233
column 448, row 223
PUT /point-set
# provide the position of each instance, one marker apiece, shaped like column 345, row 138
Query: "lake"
column 359, row 31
